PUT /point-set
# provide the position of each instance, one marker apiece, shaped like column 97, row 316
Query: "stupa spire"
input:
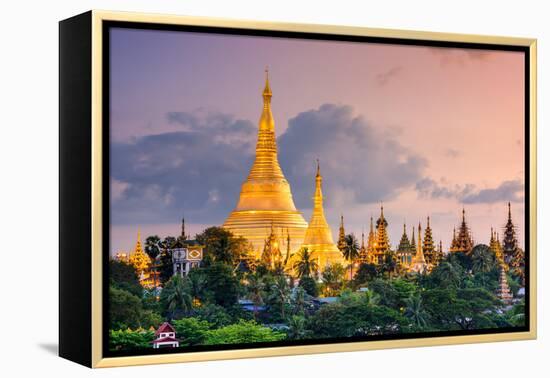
column 341, row 234
column 266, row 196
column 318, row 238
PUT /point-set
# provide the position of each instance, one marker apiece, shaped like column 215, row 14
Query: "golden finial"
column 318, row 169
column 267, row 89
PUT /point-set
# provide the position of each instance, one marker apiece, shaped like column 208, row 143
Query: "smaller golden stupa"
column 318, row 239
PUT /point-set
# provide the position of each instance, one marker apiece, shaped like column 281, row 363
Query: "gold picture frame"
column 94, row 22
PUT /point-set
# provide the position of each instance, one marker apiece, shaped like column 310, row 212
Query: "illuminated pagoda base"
column 265, row 201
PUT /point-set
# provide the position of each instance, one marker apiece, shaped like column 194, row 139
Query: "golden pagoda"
column 371, row 241
column 341, row 235
column 419, row 264
column 318, row 239
column 139, row 259
column 496, row 248
column 266, row 198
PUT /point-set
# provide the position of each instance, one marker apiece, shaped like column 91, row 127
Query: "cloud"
column 360, row 163
column 452, row 153
column 198, row 170
column 384, row 77
column 511, row 190
column 456, row 56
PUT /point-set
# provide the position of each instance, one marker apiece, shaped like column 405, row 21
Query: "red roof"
column 165, row 339
column 165, row 327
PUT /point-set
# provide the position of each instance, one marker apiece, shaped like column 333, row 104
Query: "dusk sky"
column 423, row 130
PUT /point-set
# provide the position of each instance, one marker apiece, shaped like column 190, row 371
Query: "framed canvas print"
column 234, row 189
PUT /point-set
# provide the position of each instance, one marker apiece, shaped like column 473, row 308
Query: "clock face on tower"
column 194, row 254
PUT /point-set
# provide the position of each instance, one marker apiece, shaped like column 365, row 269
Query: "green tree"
column 351, row 252
column 309, row 285
column 176, row 298
column 222, row 246
column 483, row 260
column 221, row 284
column 166, row 268
column 125, row 339
column 279, row 295
column 415, row 311
column 447, row 275
column 297, row 328
column 305, row 265
column 333, row 277
column 123, row 276
column 126, row 311
column 191, row 331
column 389, row 266
column 365, row 273
column 213, row 314
column 255, row 290
column 243, row 332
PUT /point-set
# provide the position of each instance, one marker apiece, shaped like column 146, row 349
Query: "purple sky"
column 425, row 130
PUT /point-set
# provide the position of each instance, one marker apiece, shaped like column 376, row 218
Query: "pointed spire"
column 341, row 235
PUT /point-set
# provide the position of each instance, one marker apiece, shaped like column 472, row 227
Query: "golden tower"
column 138, row 258
column 266, row 200
column 419, row 264
column 318, row 239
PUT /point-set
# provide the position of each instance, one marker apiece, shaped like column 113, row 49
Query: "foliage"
column 278, row 297
column 309, row 285
column 241, row 333
column 333, row 279
column 126, row 339
column 221, row 246
column 365, row 273
column 125, row 310
column 415, row 311
column 483, row 260
column 191, row 331
column 213, row 314
column 351, row 251
column 221, row 285
column 175, row 298
column 305, row 265
column 297, row 328
column 124, row 276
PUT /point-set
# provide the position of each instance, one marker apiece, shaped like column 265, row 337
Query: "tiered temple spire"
column 428, row 247
column 462, row 242
column 265, row 196
column 419, row 264
column 496, row 248
column 363, row 255
column 503, row 290
column 510, row 243
column 405, row 250
column 318, row 237
column 138, row 258
column 371, row 241
column 341, row 235
column 271, row 255
column 382, row 244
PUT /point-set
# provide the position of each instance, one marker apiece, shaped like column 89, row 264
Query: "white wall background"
column 29, row 176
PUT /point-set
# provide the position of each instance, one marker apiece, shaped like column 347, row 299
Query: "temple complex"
column 462, row 242
column 266, row 199
column 318, row 238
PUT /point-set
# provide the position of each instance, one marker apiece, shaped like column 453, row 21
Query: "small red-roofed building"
column 165, row 337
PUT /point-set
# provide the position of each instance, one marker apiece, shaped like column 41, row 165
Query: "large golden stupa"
column 318, row 239
column 265, row 202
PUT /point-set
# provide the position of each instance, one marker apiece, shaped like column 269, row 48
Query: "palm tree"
column 305, row 266
column 177, row 295
column 280, row 293
column 297, row 328
column 332, row 278
column 415, row 311
column 255, row 288
column 351, row 252
column 390, row 265
column 482, row 259
column 448, row 274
